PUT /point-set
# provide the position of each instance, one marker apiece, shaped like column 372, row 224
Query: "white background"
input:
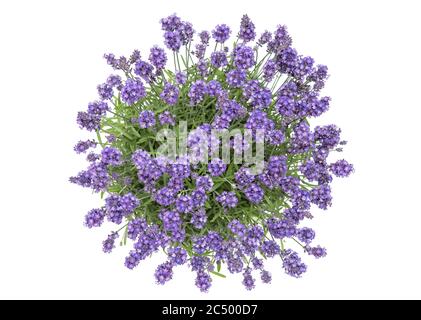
column 50, row 63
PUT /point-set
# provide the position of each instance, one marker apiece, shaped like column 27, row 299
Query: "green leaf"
column 218, row 274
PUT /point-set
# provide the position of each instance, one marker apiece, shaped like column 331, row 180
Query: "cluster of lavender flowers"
column 214, row 216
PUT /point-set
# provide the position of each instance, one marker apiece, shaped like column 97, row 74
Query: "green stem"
column 175, row 64
column 99, row 139
column 178, row 62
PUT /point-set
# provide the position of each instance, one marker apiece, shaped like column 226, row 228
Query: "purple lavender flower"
column 261, row 98
column 132, row 260
column 166, row 118
column 303, row 68
column 135, row 227
column 247, row 29
column 287, row 61
column 105, row 91
column 200, row 244
column 88, row 121
column 97, row 108
column 269, row 70
column 253, row 239
column 265, row 37
column 319, row 76
column 270, row 248
column 200, row 51
column 129, row 203
column 186, row 32
column 164, row 273
column 250, row 88
column 94, row 218
column 144, row 70
column 120, row 206
column 235, row 264
column 301, row 199
column 265, row 276
column 95, row 177
column 184, row 204
column 178, row 235
column 289, row 184
column 303, row 139
column 198, row 198
column 280, row 41
column 199, row 218
column 147, row 119
column 214, row 88
column 177, row 255
column 294, row 215
column 236, row 78
column 203, row 281
column 158, row 57
column 257, row 263
column 176, row 184
column 259, row 120
column 114, row 81
column 135, row 56
column 108, row 244
column 244, row 57
column 292, row 264
column 180, row 169
column 83, row 146
column 276, row 137
column 204, row 182
column 317, row 252
column 321, row 196
column 217, row 167
column 202, row 67
column 110, row 138
column 181, row 77
column 311, row 170
column 133, row 91
column 214, row 241
column 111, row 156
column 237, row 228
column 227, row 199
column 306, row 235
column 281, row 228
column 172, row 40
column 148, row 168
column 204, row 37
column 171, row 220
column 221, row 33
column 200, row 263
column 170, row 23
column 165, row 196
column 149, row 242
column 318, row 106
column 219, row 59
column 92, row 157
column 341, row 168
column 170, row 94
column 248, row 280
column 117, row 64
column 197, row 92
column 328, row 136
column 254, row 193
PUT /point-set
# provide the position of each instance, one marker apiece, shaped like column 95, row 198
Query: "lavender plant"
column 217, row 215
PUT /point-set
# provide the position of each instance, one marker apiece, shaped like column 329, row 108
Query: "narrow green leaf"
column 218, row 274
